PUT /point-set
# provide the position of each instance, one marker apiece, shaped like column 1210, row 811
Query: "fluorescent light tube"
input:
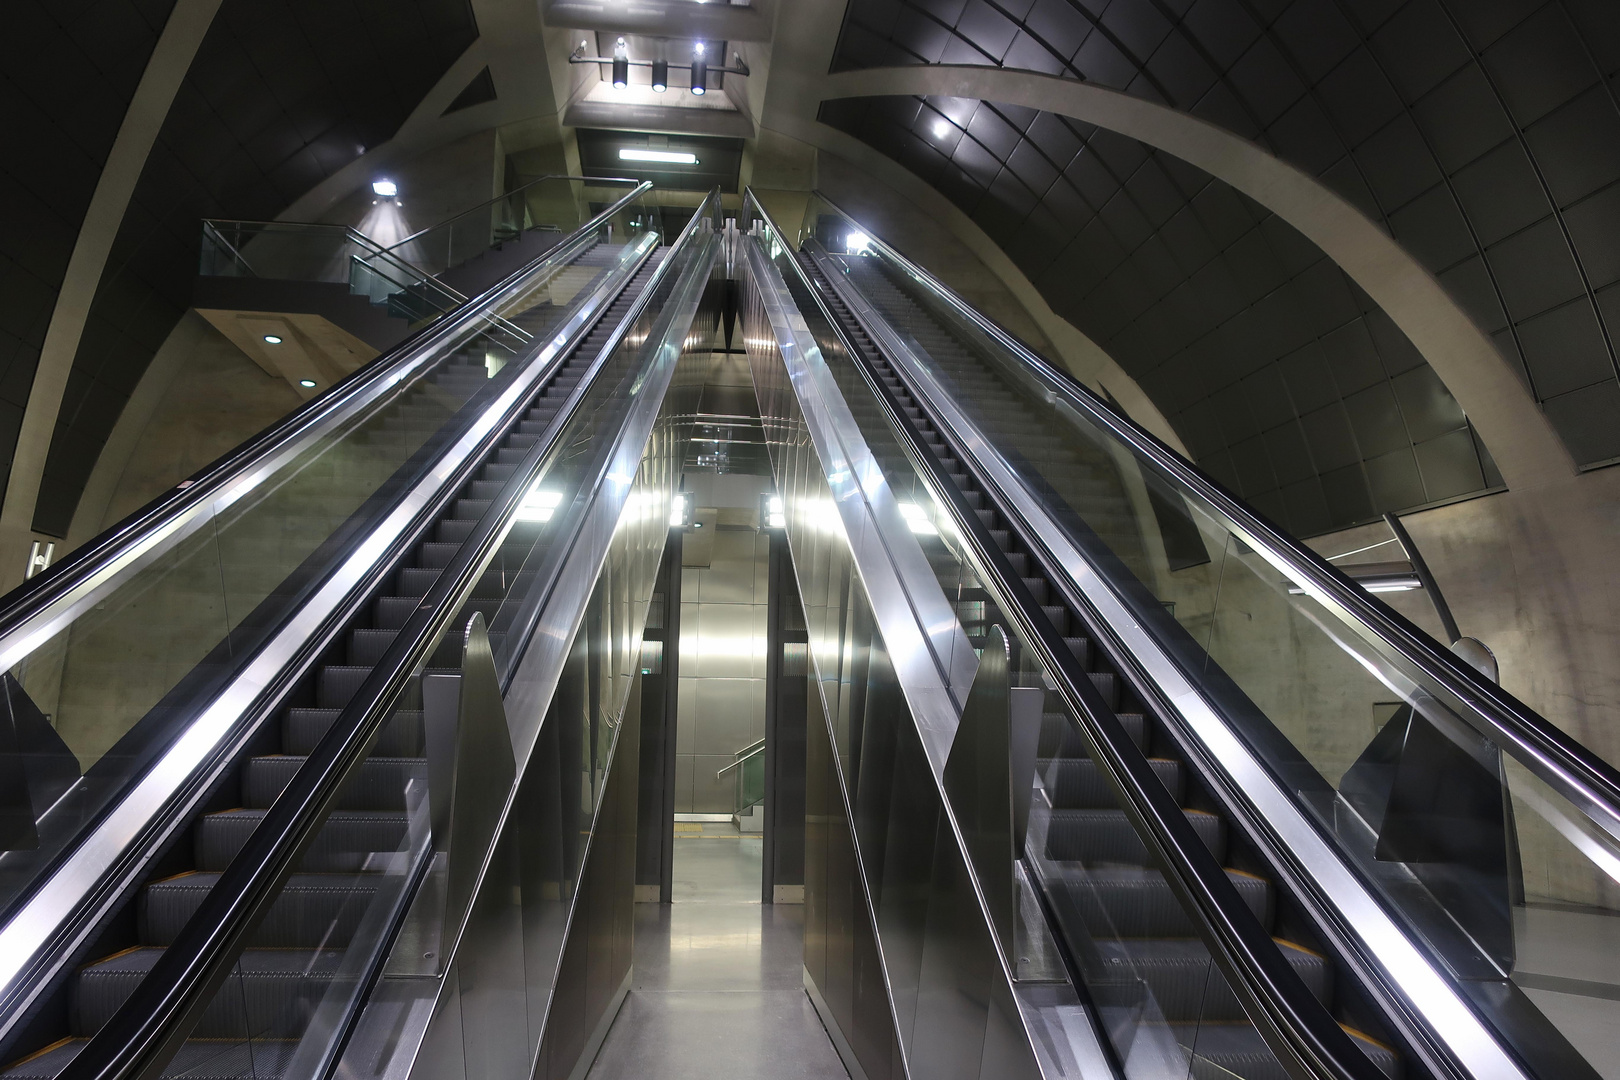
column 668, row 157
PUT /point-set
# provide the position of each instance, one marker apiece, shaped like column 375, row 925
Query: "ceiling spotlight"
column 307, row 384
column 621, row 65
column 700, row 70
column 386, row 188
column 272, row 339
column 856, row 243
column 660, row 76
column 667, row 157
column 940, row 129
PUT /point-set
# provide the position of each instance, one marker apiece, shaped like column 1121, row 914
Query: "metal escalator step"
column 435, row 554
column 345, row 844
column 336, row 684
column 380, row 784
column 1077, row 783
column 311, row 909
column 391, row 612
column 197, row 1059
column 453, row 530
column 367, row 646
column 272, row 991
column 498, row 472
column 1187, row 985
column 1060, row 740
column 482, row 489
column 303, row 729
column 1137, row 902
column 1096, row 837
column 415, row 580
column 1081, row 648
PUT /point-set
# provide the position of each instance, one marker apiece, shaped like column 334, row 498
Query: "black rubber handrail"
column 1575, row 772
column 139, row 1040
column 1293, row 1022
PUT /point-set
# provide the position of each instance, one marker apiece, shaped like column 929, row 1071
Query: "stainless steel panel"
column 884, row 845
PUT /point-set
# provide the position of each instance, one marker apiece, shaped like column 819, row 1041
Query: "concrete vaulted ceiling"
column 1346, row 274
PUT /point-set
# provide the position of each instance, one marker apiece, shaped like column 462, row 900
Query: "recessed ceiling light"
column 668, row 157
column 272, row 339
column 307, row 384
column 856, row 243
column 386, row 188
column 940, row 128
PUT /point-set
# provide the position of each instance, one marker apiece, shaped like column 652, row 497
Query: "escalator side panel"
column 938, row 956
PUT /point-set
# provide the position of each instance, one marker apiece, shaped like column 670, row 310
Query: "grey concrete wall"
column 433, row 186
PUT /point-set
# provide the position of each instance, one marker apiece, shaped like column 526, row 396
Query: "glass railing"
column 550, row 205
column 389, row 888
column 404, row 276
column 1492, row 836
column 747, row 769
column 336, row 254
column 138, row 665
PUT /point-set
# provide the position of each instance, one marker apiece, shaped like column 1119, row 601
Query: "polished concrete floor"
column 717, row 992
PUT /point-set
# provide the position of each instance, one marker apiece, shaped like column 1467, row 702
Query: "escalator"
column 1237, row 887
column 1091, row 788
column 441, row 459
column 1096, row 870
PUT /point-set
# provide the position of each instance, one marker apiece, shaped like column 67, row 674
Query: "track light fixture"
column 700, row 70
column 621, row 65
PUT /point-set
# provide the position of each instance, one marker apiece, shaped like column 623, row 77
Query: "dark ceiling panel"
column 67, row 74
column 1284, row 378
column 281, row 94
column 1459, row 125
column 719, row 160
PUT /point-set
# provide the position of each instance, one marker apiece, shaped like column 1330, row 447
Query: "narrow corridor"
column 717, row 989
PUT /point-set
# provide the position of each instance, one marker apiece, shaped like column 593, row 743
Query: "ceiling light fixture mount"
column 620, row 64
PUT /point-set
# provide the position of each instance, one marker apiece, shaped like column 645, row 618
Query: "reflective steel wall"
column 898, row 953
column 535, row 979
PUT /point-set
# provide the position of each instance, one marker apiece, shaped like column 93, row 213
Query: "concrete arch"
column 165, row 71
column 1527, row 450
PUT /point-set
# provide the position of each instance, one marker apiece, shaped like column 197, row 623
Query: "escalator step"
column 1077, row 783
column 1096, row 837
column 1137, row 902
column 198, row 1059
column 380, row 784
column 1060, row 740
column 303, row 729
column 436, row 554
column 455, row 530
column 311, row 909
column 1187, row 985
column 366, row 646
column 272, row 991
column 344, row 845
column 337, row 683
column 414, row 580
